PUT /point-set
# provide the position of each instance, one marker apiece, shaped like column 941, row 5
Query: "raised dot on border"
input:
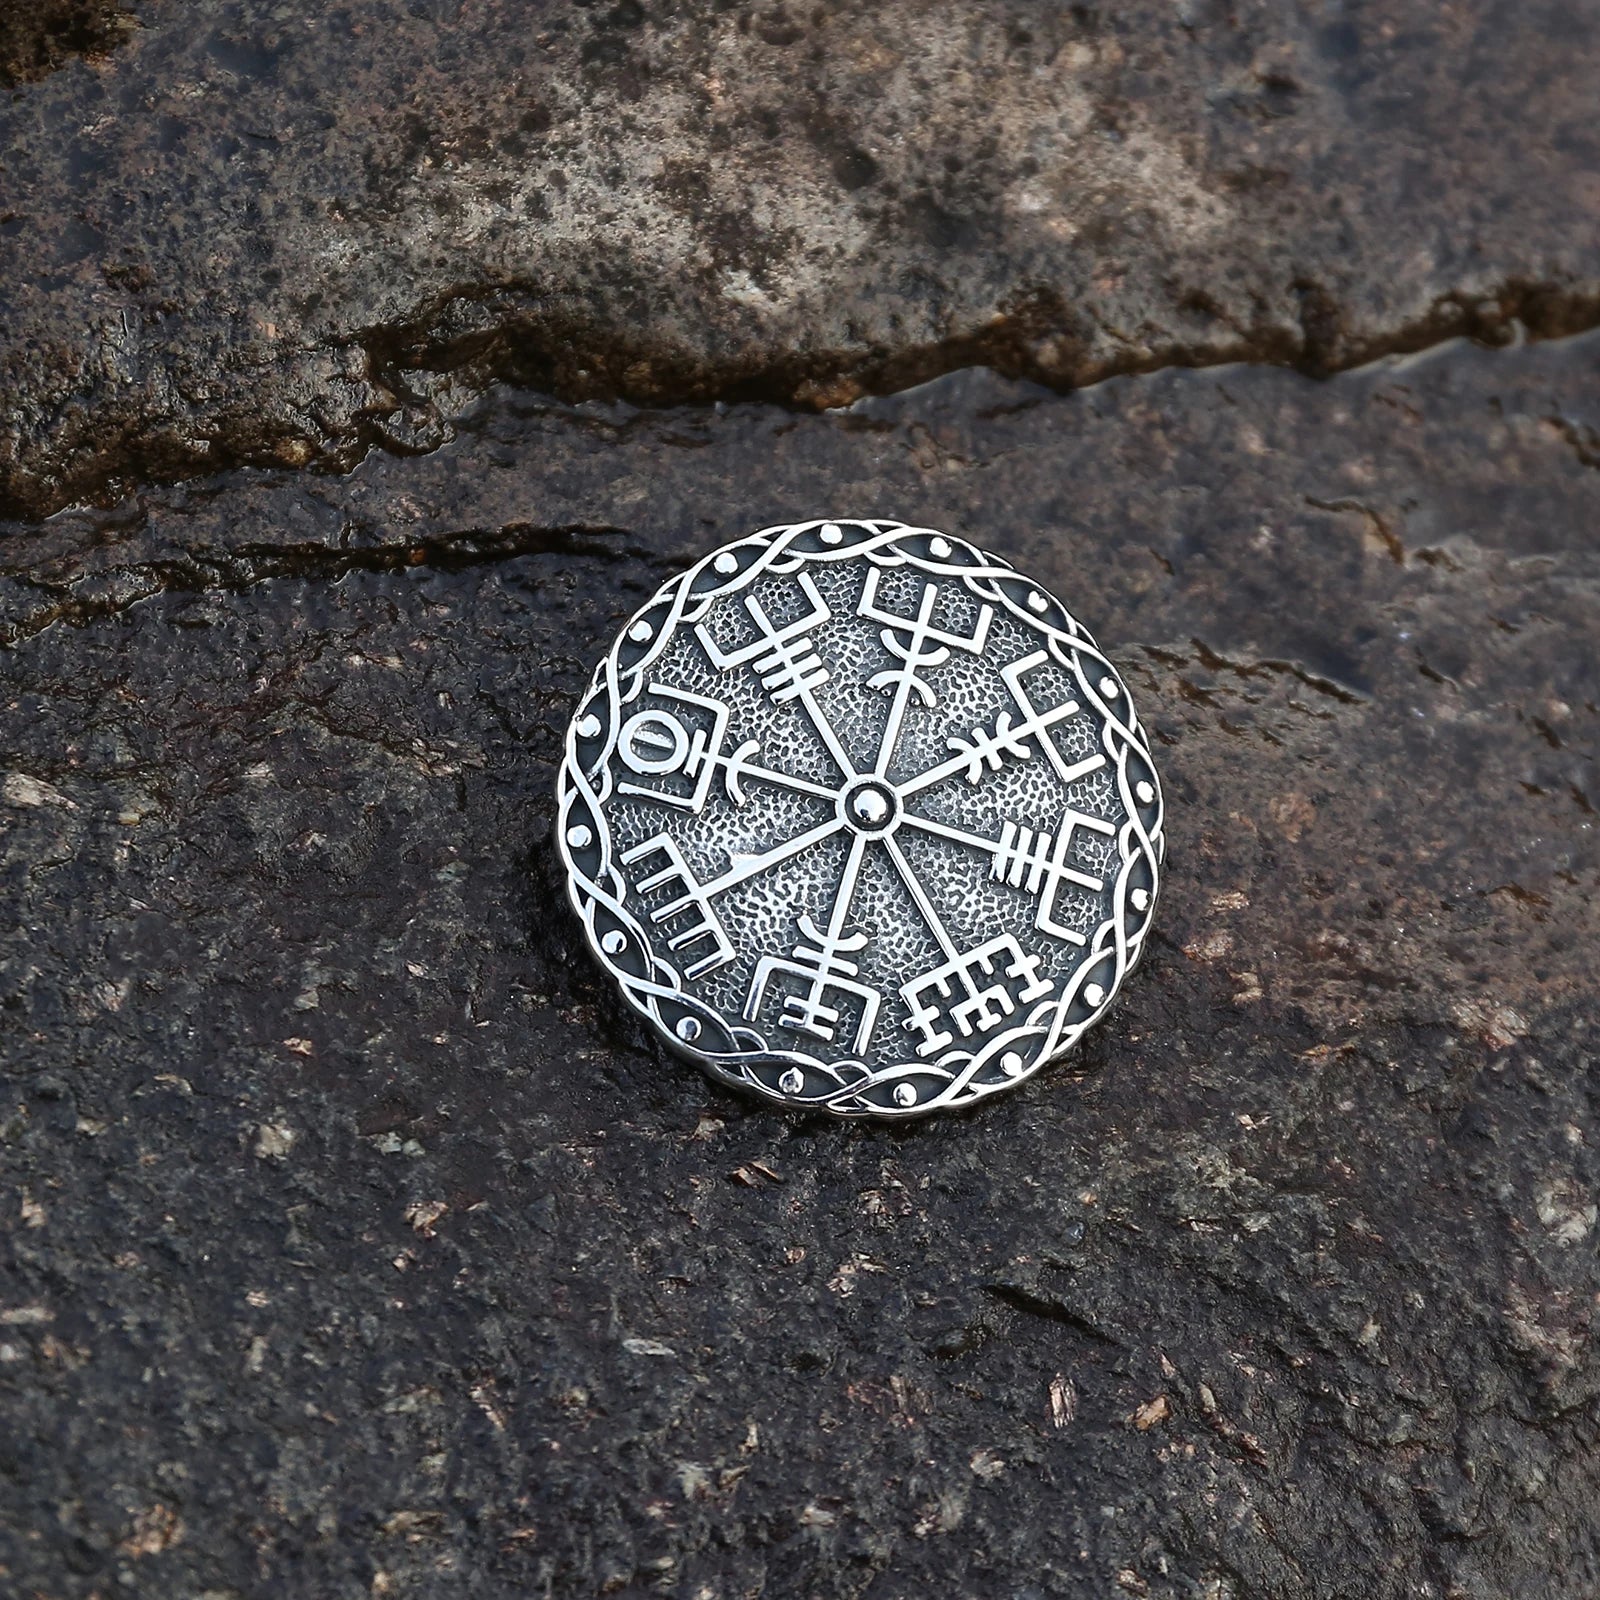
column 614, row 943
column 641, row 632
column 588, row 726
column 1093, row 993
column 1145, row 791
column 688, row 1029
column 905, row 1094
column 938, row 547
column 1012, row 1064
column 1140, row 898
column 726, row 562
column 1037, row 602
column 1108, row 687
column 831, row 533
column 792, row 1080
column 578, row 836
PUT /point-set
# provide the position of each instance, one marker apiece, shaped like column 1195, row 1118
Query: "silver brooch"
column 861, row 819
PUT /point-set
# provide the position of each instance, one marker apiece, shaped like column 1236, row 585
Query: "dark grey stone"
column 232, row 231
column 356, row 1243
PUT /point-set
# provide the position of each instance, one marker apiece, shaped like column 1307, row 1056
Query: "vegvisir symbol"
column 838, row 877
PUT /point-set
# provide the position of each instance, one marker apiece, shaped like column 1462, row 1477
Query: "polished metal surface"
column 861, row 819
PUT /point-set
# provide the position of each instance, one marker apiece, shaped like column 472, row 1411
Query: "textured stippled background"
column 362, row 368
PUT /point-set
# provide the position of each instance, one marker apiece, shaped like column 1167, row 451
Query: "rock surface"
column 357, row 1243
column 353, row 1239
column 233, row 231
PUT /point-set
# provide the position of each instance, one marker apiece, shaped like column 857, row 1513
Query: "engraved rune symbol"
column 1010, row 738
column 1027, row 860
column 919, row 631
column 678, row 764
column 785, row 661
column 824, row 973
column 690, row 908
column 785, row 658
column 822, row 968
column 973, row 992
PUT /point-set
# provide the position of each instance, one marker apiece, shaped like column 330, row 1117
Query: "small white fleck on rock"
column 274, row 1141
column 26, row 1316
column 1063, row 1401
column 1152, row 1413
column 1566, row 1210
column 423, row 1215
column 647, row 1347
column 21, row 790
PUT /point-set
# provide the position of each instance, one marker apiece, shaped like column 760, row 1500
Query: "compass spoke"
column 919, row 896
column 919, row 645
column 745, row 867
column 787, row 780
column 1010, row 739
column 825, row 732
column 906, row 679
column 1032, row 860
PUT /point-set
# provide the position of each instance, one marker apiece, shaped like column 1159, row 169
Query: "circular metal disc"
column 861, row 819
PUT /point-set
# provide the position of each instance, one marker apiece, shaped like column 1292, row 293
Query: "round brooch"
column 861, row 819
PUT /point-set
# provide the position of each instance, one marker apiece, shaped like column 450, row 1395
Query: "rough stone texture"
column 356, row 1243
column 257, row 232
column 353, row 1240
column 37, row 37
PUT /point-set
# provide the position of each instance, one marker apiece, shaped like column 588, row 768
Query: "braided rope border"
column 739, row 1055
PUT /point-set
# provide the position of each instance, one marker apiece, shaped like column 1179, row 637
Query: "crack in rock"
column 254, row 236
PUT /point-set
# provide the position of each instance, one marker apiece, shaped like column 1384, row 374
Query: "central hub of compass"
column 870, row 806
